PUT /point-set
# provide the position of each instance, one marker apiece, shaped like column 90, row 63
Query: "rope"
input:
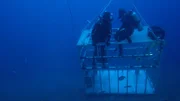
column 139, row 14
column 72, row 22
column 97, row 16
column 134, row 2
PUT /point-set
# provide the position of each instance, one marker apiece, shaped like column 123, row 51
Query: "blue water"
column 38, row 55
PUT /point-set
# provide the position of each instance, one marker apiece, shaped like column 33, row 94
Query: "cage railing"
column 98, row 86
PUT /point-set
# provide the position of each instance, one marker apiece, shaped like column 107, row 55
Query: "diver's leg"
column 120, row 49
column 94, row 54
column 130, row 32
column 103, row 53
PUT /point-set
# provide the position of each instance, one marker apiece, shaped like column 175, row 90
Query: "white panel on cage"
column 121, row 82
column 138, row 36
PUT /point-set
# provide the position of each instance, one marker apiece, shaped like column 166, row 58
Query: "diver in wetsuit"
column 130, row 21
column 159, row 34
column 158, row 31
column 101, row 33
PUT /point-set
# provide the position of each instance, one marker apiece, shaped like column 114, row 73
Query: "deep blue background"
column 38, row 54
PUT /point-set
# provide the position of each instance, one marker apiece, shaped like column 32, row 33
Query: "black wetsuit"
column 101, row 34
column 130, row 22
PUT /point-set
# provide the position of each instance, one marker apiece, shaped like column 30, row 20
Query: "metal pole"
column 136, row 79
column 145, row 82
column 127, row 82
column 118, row 79
column 100, row 79
column 109, row 81
column 93, row 77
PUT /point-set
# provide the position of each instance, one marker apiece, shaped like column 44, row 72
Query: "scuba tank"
column 136, row 21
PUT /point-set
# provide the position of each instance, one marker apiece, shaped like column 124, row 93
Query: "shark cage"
column 130, row 74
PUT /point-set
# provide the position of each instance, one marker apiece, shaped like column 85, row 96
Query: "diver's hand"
column 122, row 29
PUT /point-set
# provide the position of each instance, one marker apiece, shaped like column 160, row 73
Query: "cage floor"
column 120, row 82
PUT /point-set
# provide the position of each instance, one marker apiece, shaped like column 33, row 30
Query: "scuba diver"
column 158, row 31
column 130, row 21
column 101, row 33
column 159, row 34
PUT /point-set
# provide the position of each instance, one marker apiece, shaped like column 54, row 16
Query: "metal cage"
column 129, row 74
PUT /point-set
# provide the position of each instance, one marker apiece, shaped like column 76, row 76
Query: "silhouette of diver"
column 101, row 33
column 158, row 31
column 130, row 21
